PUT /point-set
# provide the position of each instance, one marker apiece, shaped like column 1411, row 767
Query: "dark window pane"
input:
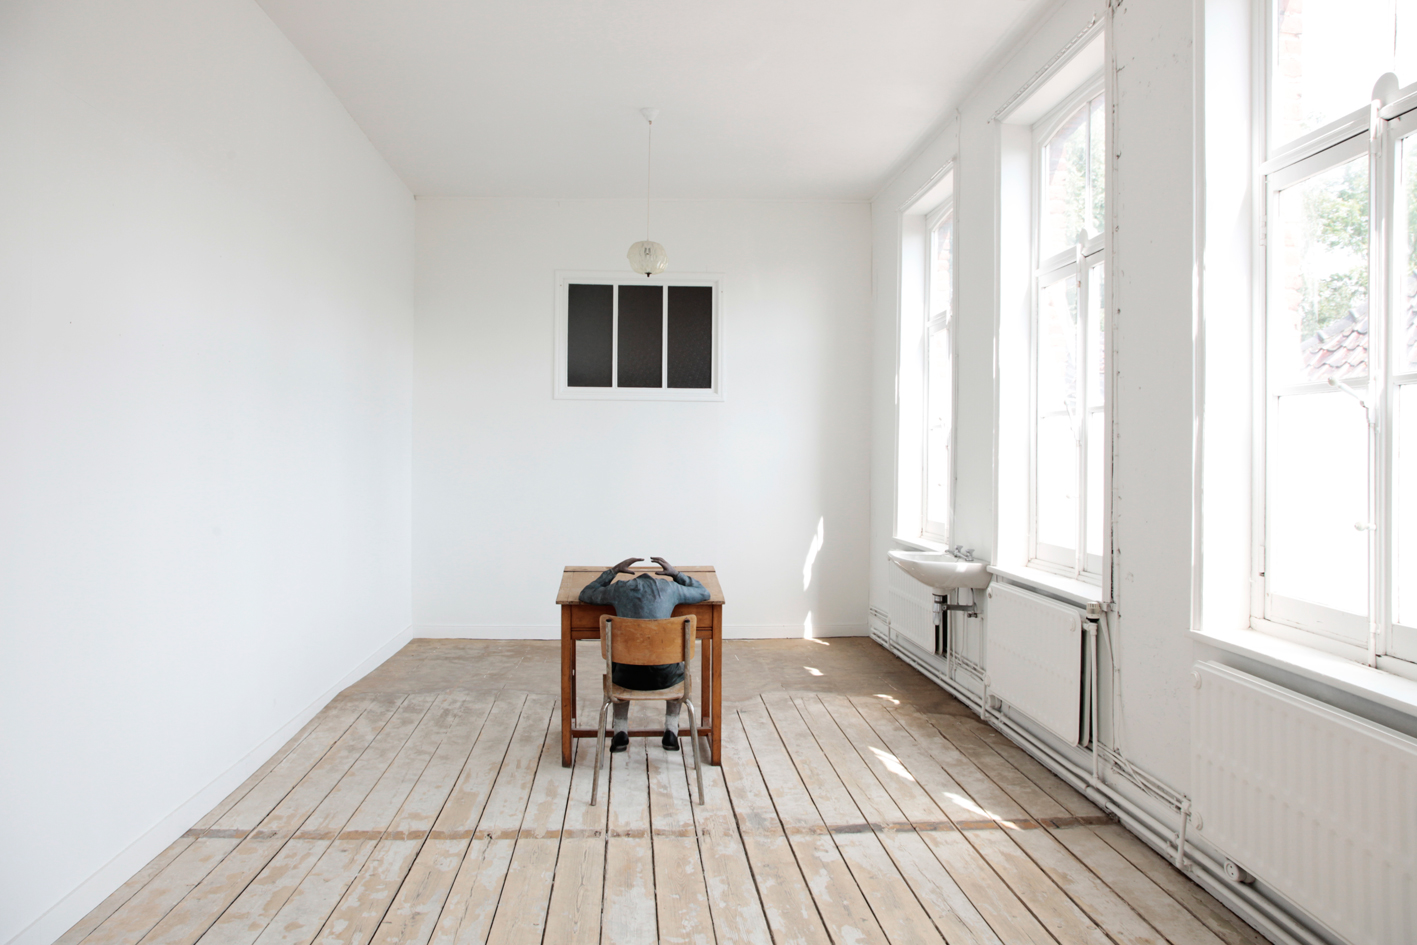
column 691, row 336
column 641, row 335
column 588, row 335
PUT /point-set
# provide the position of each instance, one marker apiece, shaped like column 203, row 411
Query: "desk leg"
column 706, row 718
column 568, row 687
column 716, row 740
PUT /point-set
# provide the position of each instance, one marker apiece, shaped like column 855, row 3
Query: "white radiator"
column 912, row 609
column 1034, row 656
column 1315, row 802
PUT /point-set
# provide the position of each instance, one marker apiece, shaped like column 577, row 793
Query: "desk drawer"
column 587, row 616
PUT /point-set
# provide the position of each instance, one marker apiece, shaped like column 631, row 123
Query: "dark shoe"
column 670, row 741
column 620, row 742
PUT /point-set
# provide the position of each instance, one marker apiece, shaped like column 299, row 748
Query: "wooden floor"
column 856, row 804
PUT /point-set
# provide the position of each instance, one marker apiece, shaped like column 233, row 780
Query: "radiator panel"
column 912, row 609
column 1035, row 658
column 1315, row 802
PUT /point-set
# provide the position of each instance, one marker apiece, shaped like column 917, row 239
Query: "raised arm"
column 690, row 590
column 598, row 591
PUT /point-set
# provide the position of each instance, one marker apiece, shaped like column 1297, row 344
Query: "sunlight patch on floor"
column 969, row 805
column 892, row 763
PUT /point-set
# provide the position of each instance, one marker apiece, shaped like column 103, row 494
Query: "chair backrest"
column 647, row 642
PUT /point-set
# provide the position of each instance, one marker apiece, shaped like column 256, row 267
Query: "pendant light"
column 646, row 256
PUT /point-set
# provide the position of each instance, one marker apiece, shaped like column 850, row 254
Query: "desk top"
column 577, row 576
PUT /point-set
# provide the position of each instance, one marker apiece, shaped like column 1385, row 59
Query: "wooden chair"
column 648, row 643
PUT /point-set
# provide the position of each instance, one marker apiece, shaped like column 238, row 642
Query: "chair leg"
column 694, row 747
column 599, row 750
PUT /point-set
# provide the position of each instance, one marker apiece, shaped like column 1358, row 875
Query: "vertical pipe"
column 1092, row 697
column 941, row 615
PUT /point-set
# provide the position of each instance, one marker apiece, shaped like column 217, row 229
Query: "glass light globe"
column 648, row 258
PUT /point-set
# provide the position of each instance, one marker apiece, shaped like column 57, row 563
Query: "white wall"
column 206, row 286
column 1151, row 358
column 510, row 484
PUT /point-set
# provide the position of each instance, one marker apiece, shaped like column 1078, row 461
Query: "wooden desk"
column 582, row 622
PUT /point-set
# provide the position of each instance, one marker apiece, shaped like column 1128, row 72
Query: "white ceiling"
column 541, row 98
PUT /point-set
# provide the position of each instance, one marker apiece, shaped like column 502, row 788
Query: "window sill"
column 921, row 544
column 1070, row 589
column 1375, row 685
column 700, row 394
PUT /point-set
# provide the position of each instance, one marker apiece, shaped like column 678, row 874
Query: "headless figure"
column 645, row 597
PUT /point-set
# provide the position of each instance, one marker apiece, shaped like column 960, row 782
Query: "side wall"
column 1152, row 253
column 206, row 286
column 511, row 484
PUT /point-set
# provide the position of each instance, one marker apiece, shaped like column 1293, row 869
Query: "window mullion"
column 1383, row 299
column 924, row 356
column 1080, row 398
column 615, row 337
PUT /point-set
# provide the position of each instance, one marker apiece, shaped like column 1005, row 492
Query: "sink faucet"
column 962, row 552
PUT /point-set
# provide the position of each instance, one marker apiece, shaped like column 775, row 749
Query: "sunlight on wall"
column 812, row 553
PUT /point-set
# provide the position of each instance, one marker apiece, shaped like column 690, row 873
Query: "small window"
column 617, row 338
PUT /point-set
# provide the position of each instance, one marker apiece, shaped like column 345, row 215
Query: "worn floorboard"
column 857, row 805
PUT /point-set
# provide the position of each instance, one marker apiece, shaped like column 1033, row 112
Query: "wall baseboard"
column 736, row 631
column 62, row 916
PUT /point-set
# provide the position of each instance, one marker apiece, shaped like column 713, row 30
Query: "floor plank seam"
column 257, row 834
column 1088, row 909
column 373, row 849
column 874, row 829
column 793, row 706
column 1012, row 887
column 836, row 817
column 563, row 833
column 393, row 758
column 816, row 906
column 733, row 811
column 524, row 802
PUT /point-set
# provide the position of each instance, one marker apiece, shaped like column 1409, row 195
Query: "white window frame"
column 917, row 218
column 1377, row 130
column 1077, row 262
column 934, row 323
column 562, row 391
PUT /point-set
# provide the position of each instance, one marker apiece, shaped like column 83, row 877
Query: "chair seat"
column 621, row 694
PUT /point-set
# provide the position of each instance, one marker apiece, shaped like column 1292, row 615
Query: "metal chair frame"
column 684, row 687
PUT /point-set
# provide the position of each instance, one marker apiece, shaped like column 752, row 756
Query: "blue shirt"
column 644, row 597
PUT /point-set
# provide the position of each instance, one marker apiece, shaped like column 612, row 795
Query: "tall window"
column 1340, row 363
column 1069, row 390
column 925, row 371
column 939, row 379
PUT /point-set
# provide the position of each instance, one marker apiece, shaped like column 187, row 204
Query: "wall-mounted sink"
column 941, row 570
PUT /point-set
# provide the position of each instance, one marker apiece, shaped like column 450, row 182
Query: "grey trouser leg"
column 671, row 716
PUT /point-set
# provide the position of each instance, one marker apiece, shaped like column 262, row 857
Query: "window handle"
column 1368, row 412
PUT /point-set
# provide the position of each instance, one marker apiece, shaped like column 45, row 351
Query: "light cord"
column 649, row 170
